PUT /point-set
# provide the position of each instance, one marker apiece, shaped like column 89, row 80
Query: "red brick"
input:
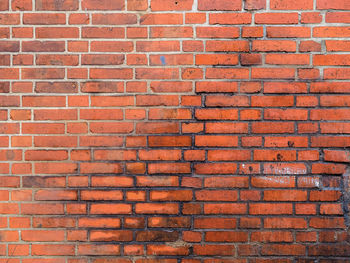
column 284, row 222
column 323, row 4
column 169, row 141
column 221, row 250
column 337, row 45
column 110, row 209
column 228, row 155
column 250, row 59
column 217, row 59
column 283, row 250
column 169, row 168
column 331, row 209
column 216, row 195
column 107, row 127
column 219, row 5
column 52, row 250
column 273, row 73
column 44, row 19
column 230, row 19
column 291, row 5
column 100, row 168
column 270, row 209
column 337, row 222
column 195, row 18
column 156, row 208
column 137, row 5
column 255, row 4
column 171, row 32
column 95, row 250
column 285, row 195
column 171, row 5
column 50, row 5
column 287, row 59
column 102, row 5
column 273, row 181
column 157, row 127
column 267, row 236
column 287, row 114
column 222, row 208
column 226, row 236
column 274, row 45
column 192, row 45
column 114, row 235
column 276, row 18
column 224, row 46
column 276, row 127
column 335, row 17
column 286, row 141
column 253, row 31
column 285, row 87
column 222, row 182
column 331, row 31
column 217, row 32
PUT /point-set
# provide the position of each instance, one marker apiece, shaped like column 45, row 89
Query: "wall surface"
column 174, row 131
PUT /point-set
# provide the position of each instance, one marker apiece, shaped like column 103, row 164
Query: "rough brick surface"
column 192, row 131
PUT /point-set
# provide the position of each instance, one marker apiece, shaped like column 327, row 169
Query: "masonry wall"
column 192, row 131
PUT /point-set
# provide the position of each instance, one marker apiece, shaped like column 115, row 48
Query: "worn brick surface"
column 192, row 131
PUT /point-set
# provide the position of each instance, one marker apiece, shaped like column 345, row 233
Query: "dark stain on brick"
column 157, row 236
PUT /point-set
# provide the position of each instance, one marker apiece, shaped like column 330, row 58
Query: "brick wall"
column 192, row 131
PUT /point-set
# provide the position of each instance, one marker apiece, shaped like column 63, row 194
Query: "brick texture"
column 174, row 131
